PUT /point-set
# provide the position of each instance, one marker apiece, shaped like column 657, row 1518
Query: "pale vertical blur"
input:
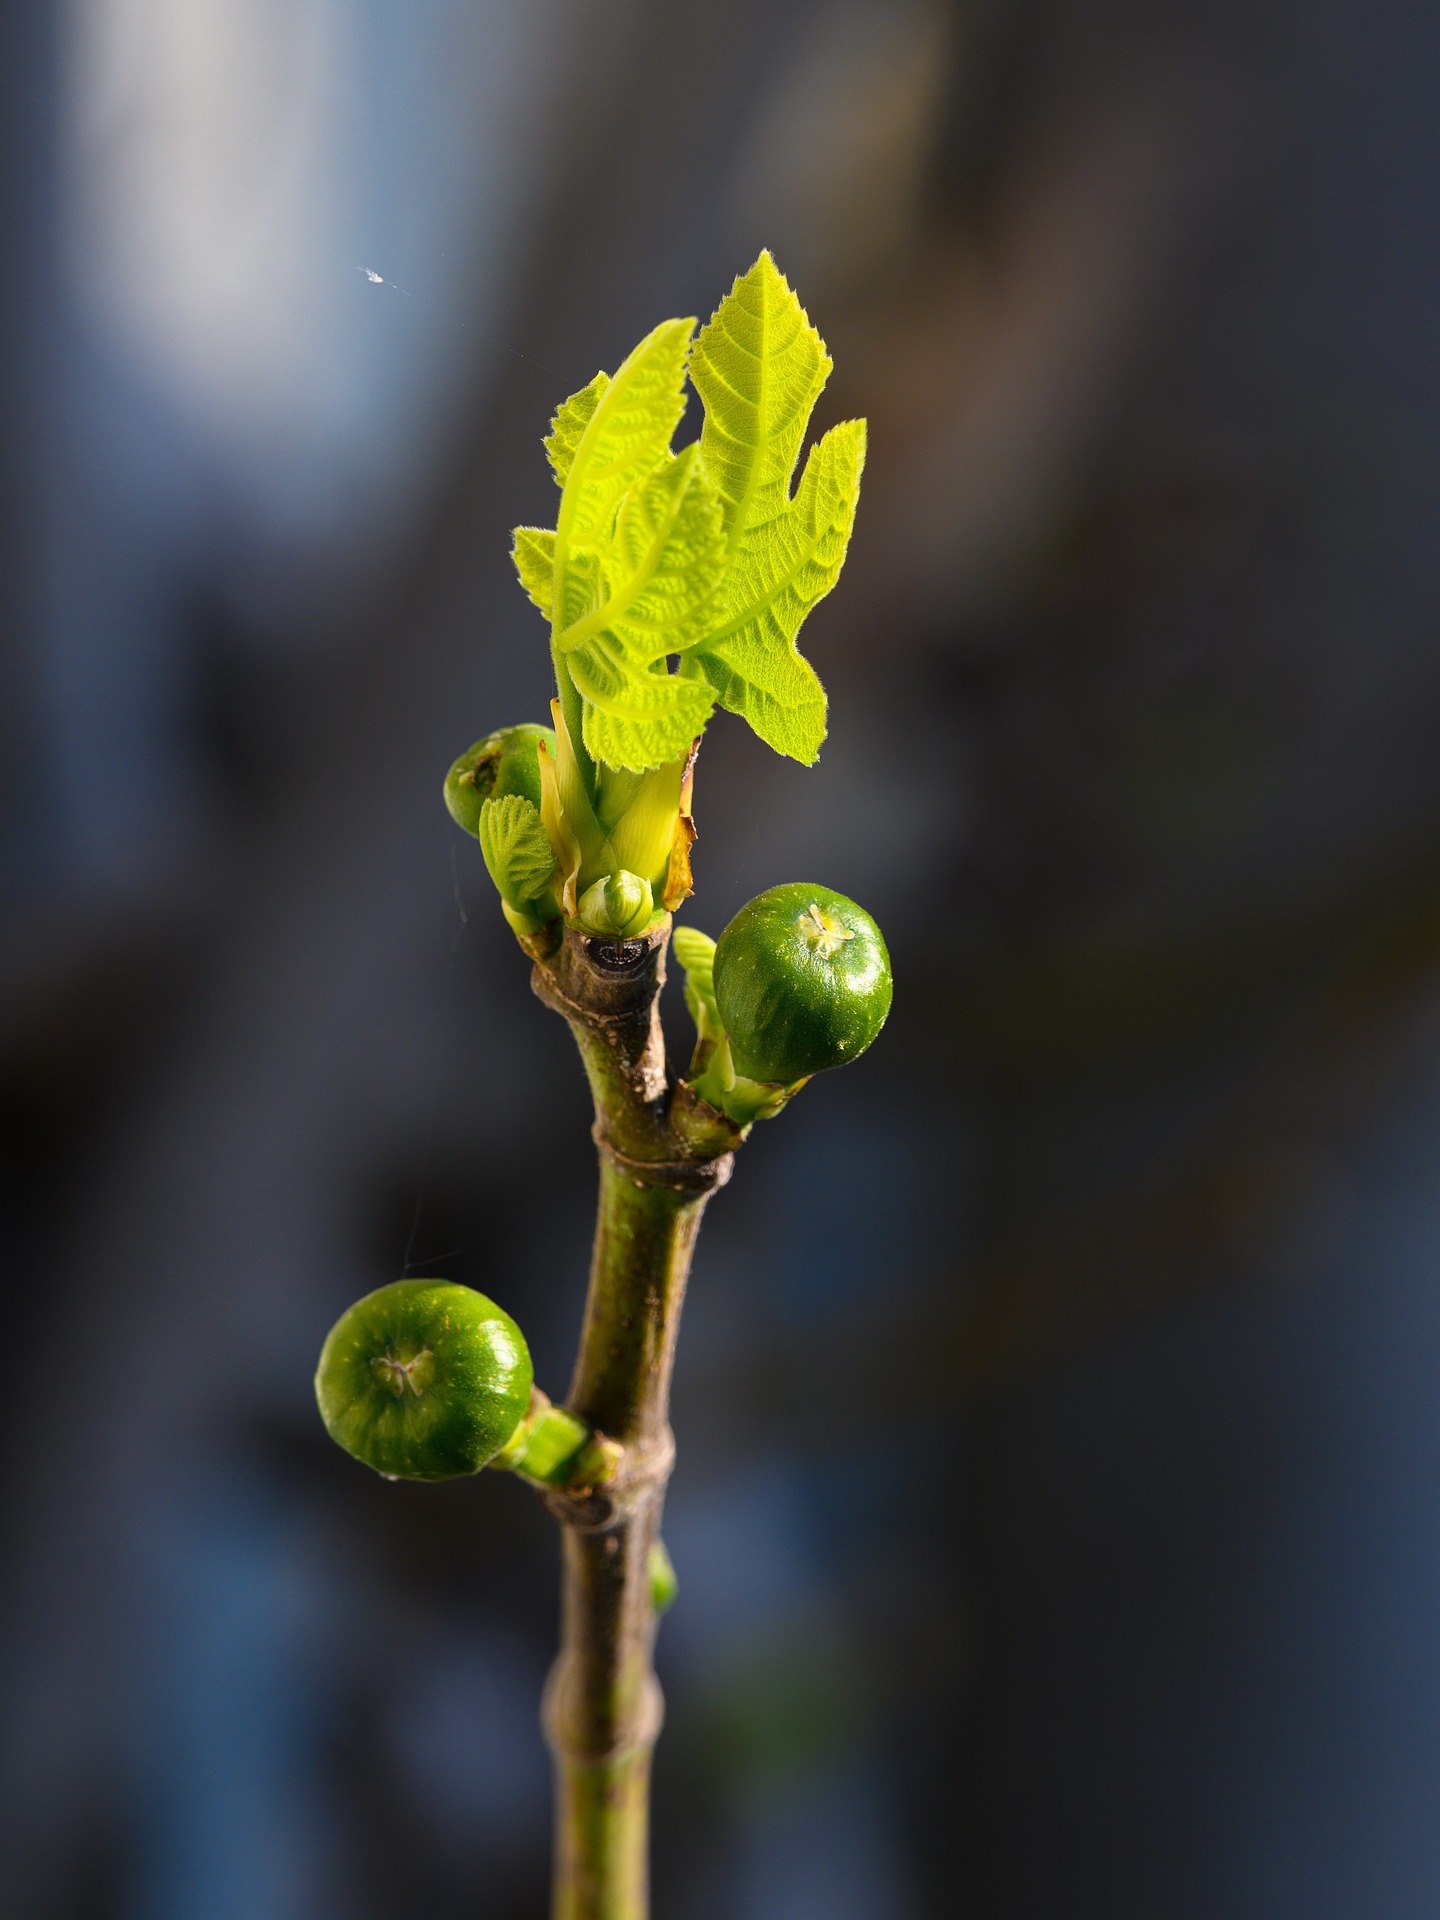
column 234, row 173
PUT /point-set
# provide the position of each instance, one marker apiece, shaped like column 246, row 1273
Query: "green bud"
column 620, row 905
column 502, row 763
column 664, row 1587
column 424, row 1380
column 620, row 823
column 802, row 983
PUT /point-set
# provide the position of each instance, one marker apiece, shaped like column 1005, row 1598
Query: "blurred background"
column 1058, row 1509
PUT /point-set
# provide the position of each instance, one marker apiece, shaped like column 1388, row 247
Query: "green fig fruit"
column 504, row 762
column 424, row 1380
column 802, row 983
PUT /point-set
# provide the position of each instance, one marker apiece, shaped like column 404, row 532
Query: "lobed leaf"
column 779, row 570
column 705, row 555
column 533, row 551
column 661, row 574
column 626, row 432
column 759, row 367
column 569, row 424
column 639, row 720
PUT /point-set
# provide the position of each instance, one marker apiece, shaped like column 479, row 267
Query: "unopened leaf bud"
column 620, row 904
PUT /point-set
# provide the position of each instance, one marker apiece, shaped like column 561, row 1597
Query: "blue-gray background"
column 1058, row 1511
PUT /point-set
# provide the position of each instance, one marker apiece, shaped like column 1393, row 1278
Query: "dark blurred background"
column 1058, row 1510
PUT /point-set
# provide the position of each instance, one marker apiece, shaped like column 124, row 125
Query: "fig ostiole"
column 424, row 1380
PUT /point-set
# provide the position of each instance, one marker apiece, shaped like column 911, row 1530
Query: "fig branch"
column 711, row 557
column 602, row 1709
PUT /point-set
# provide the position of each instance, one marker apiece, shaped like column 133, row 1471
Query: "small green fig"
column 504, row 762
column 802, row 983
column 424, row 1380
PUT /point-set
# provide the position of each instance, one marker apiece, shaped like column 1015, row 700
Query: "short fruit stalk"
column 672, row 583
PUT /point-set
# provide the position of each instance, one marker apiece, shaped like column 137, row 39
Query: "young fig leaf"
column 637, row 719
column 661, row 571
column 751, row 659
column 759, row 367
column 517, row 851
column 569, row 424
column 705, row 557
column 623, row 433
column 695, row 953
column 636, row 557
column 534, row 555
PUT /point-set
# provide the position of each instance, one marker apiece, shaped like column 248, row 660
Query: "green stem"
column 573, row 708
column 603, row 1705
column 602, row 1834
column 552, row 1447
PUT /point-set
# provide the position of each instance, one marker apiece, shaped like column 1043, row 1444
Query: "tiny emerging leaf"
column 534, row 557
column 517, row 850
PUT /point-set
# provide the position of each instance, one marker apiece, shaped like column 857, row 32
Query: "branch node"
column 641, row 1473
column 682, row 1176
column 639, row 1737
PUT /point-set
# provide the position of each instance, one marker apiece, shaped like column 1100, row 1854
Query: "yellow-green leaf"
column 661, row 570
column 533, row 551
column 778, row 573
column 627, row 432
column 570, row 423
column 517, row 850
column 661, row 573
column 759, row 367
column 637, row 720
